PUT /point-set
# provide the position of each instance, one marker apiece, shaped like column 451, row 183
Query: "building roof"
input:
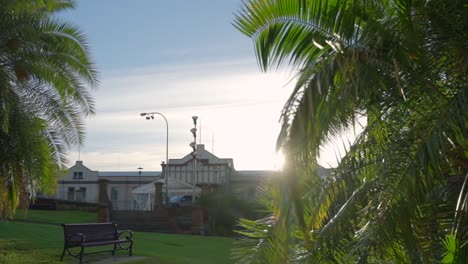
column 80, row 163
column 255, row 173
column 202, row 154
column 129, row 173
column 262, row 173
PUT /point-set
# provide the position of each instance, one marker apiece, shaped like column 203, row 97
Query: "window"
column 71, row 194
column 78, row 175
column 82, row 194
column 114, row 194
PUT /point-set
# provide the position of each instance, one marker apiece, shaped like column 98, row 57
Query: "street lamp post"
column 150, row 116
column 139, row 175
column 194, row 155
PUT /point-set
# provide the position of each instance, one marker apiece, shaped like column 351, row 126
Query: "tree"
column 399, row 195
column 45, row 75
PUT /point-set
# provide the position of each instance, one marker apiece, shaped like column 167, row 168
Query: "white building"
column 81, row 184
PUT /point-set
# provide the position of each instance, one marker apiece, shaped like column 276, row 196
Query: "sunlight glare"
column 279, row 161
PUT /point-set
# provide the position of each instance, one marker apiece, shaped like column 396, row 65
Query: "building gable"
column 80, row 172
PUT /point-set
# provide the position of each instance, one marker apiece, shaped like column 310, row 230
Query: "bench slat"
column 101, row 243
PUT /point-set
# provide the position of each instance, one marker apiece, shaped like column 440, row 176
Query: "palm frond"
column 45, row 76
column 394, row 195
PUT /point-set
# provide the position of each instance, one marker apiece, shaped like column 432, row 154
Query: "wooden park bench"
column 94, row 234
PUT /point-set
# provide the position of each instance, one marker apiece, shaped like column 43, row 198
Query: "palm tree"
column 45, row 75
column 399, row 195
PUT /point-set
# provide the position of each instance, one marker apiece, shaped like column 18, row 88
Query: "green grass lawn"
column 56, row 217
column 182, row 248
column 26, row 242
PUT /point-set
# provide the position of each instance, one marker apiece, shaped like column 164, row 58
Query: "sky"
column 180, row 58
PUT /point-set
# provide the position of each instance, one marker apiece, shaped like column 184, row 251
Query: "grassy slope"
column 22, row 242
column 57, row 217
column 29, row 243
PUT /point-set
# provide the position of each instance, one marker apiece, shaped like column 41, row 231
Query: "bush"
column 222, row 211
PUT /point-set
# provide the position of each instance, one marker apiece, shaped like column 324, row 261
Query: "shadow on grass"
column 14, row 251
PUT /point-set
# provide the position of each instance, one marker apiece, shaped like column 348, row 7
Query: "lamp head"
column 195, row 119
column 148, row 118
column 142, row 114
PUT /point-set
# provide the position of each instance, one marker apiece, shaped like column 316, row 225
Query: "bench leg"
column 63, row 254
column 113, row 251
column 81, row 255
column 130, row 250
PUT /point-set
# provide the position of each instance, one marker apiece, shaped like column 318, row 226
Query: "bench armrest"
column 82, row 237
column 128, row 232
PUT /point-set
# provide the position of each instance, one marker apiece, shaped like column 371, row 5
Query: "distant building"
column 212, row 171
column 209, row 169
column 81, row 184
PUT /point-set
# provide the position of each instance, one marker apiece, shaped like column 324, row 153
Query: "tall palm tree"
column 399, row 195
column 45, row 76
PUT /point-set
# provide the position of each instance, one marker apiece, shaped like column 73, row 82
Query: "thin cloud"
column 240, row 108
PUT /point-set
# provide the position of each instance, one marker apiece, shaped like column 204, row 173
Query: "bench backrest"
column 92, row 231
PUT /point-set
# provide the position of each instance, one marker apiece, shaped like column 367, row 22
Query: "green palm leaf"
column 45, row 76
column 397, row 193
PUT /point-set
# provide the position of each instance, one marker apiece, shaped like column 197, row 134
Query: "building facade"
column 204, row 169
column 78, row 184
column 81, row 184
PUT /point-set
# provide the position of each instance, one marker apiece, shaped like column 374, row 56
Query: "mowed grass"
column 177, row 249
column 56, row 217
column 30, row 242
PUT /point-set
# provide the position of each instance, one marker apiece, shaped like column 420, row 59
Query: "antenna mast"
column 199, row 140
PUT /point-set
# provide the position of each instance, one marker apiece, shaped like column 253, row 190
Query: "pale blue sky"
column 180, row 58
column 126, row 34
